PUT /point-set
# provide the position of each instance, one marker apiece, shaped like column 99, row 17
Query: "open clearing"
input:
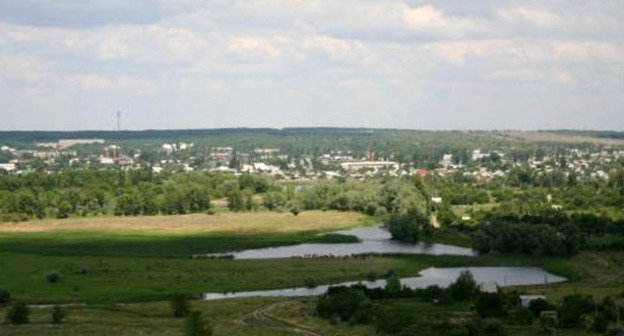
column 533, row 136
column 226, row 222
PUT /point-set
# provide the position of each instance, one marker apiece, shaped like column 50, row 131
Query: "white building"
column 374, row 165
column 7, row 166
column 447, row 160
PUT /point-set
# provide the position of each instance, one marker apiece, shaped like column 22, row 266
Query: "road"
column 259, row 318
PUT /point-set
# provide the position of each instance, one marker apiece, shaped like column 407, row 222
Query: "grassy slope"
column 171, row 235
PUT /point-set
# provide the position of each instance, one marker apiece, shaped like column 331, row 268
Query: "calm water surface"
column 487, row 277
column 372, row 240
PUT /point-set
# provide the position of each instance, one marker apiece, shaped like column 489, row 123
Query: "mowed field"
column 223, row 222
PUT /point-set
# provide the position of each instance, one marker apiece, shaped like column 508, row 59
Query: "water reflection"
column 488, row 277
column 373, row 240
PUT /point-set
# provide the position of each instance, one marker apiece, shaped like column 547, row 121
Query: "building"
column 373, row 165
column 222, row 154
column 8, row 167
column 477, row 155
column 525, row 300
column 447, row 160
column 265, row 153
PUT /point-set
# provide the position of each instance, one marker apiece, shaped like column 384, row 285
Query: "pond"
column 372, row 240
column 487, row 277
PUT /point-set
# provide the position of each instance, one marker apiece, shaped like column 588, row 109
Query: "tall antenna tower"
column 118, row 120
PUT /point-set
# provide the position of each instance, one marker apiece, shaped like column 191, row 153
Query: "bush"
column 180, row 305
column 5, row 296
column 537, row 306
column 197, row 326
column 573, row 307
column 53, row 276
column 490, row 305
column 311, row 282
column 407, row 226
column 486, row 328
column 18, row 313
column 464, row 288
column 393, row 283
column 523, row 316
column 342, row 302
column 58, row 314
column 599, row 324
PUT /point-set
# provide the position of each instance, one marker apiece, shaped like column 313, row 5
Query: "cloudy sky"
column 525, row 64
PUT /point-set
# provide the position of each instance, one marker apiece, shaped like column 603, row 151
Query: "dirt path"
column 259, row 318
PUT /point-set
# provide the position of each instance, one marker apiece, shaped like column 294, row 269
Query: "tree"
column 5, row 296
column 196, row 326
column 393, row 283
column 295, row 208
column 341, row 302
column 179, row 305
column 407, row 226
column 490, row 305
column 18, row 313
column 58, row 314
column 464, row 288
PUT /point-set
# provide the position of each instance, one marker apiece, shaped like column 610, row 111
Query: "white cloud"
column 525, row 15
column 428, row 18
column 252, row 48
column 89, row 82
column 535, row 75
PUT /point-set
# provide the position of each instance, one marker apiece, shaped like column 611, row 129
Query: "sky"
column 504, row 64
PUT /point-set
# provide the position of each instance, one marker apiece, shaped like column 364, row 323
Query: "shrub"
column 197, row 326
column 342, row 302
column 464, row 288
column 486, row 328
column 18, row 313
column 295, row 209
column 490, row 305
column 180, row 305
column 599, row 324
column 573, row 308
column 372, row 276
column 393, row 283
column 58, row 314
column 5, row 296
column 311, row 282
column 537, row 306
column 53, row 276
column 523, row 316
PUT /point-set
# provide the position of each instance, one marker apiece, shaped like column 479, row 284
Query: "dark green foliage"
column 408, row 226
column 464, row 288
column 58, row 314
column 295, row 209
column 5, row 296
column 180, row 305
column 342, row 302
column 311, row 282
column 18, row 313
column 599, row 324
column 537, row 306
column 393, row 283
column 491, row 305
column 486, row 328
column 53, row 276
column 523, row 316
column 195, row 325
column 534, row 239
column 573, row 308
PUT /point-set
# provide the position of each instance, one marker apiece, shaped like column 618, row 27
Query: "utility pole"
column 118, row 120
